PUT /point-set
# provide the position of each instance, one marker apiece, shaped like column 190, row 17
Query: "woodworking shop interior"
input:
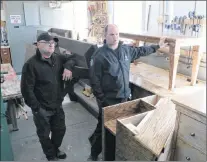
column 165, row 117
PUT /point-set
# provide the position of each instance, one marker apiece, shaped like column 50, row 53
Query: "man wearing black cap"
column 42, row 86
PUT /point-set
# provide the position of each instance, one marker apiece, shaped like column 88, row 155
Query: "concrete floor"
column 80, row 124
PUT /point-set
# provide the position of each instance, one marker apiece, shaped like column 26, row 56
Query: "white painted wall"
column 128, row 16
column 3, row 18
column 174, row 8
column 80, row 18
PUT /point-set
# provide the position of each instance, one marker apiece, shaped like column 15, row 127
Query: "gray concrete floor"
column 80, row 124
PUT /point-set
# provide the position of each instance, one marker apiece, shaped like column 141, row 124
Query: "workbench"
column 10, row 90
column 155, row 81
column 175, row 42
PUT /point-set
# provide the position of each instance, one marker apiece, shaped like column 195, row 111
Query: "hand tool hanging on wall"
column 148, row 18
column 185, row 25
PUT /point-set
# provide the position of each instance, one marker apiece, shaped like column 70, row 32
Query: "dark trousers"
column 46, row 122
column 96, row 138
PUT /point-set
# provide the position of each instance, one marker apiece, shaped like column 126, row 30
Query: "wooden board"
column 128, row 148
column 155, row 38
column 123, row 110
column 157, row 127
column 156, row 80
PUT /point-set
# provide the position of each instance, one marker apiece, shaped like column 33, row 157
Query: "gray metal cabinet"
column 190, row 129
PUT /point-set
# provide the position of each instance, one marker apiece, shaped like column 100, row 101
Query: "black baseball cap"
column 45, row 37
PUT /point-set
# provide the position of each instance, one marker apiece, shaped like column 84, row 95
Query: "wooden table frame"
column 175, row 42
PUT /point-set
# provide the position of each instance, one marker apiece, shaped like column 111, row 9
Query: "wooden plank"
column 174, row 58
column 156, row 80
column 165, row 155
column 157, row 128
column 175, row 135
column 127, row 146
column 170, row 38
column 196, row 64
column 124, row 110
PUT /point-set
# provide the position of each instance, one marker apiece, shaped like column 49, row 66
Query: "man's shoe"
column 61, row 154
column 92, row 158
column 52, row 159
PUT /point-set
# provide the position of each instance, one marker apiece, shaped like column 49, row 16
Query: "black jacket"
column 109, row 71
column 41, row 82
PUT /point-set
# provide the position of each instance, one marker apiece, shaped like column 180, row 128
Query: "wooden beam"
column 174, row 58
column 195, row 65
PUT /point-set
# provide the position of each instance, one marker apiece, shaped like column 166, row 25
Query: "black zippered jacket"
column 41, row 81
column 109, row 70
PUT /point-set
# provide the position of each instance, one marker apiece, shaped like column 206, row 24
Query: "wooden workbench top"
column 156, row 80
column 10, row 88
column 195, row 101
column 155, row 38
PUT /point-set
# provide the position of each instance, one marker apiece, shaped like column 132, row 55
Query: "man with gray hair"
column 109, row 76
column 42, row 85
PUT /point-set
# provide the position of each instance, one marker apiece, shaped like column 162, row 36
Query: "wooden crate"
column 127, row 146
column 127, row 109
column 120, row 111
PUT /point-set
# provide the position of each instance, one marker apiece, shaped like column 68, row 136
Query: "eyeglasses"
column 49, row 43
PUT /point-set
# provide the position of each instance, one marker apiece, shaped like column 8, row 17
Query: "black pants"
column 46, row 122
column 96, row 138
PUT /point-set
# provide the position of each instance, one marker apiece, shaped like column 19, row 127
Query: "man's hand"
column 162, row 43
column 67, row 75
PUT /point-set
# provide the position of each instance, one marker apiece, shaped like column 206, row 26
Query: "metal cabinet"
column 6, row 148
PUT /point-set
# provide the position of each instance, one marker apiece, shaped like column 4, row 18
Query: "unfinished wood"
column 174, row 139
column 151, row 99
column 155, row 38
column 128, row 147
column 192, row 132
column 126, row 144
column 158, row 127
column 185, row 152
column 175, row 42
column 144, row 121
column 123, row 110
column 156, row 80
column 174, row 58
column 167, row 149
column 196, row 64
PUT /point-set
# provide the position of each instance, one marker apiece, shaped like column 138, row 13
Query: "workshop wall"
column 19, row 34
column 179, row 8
